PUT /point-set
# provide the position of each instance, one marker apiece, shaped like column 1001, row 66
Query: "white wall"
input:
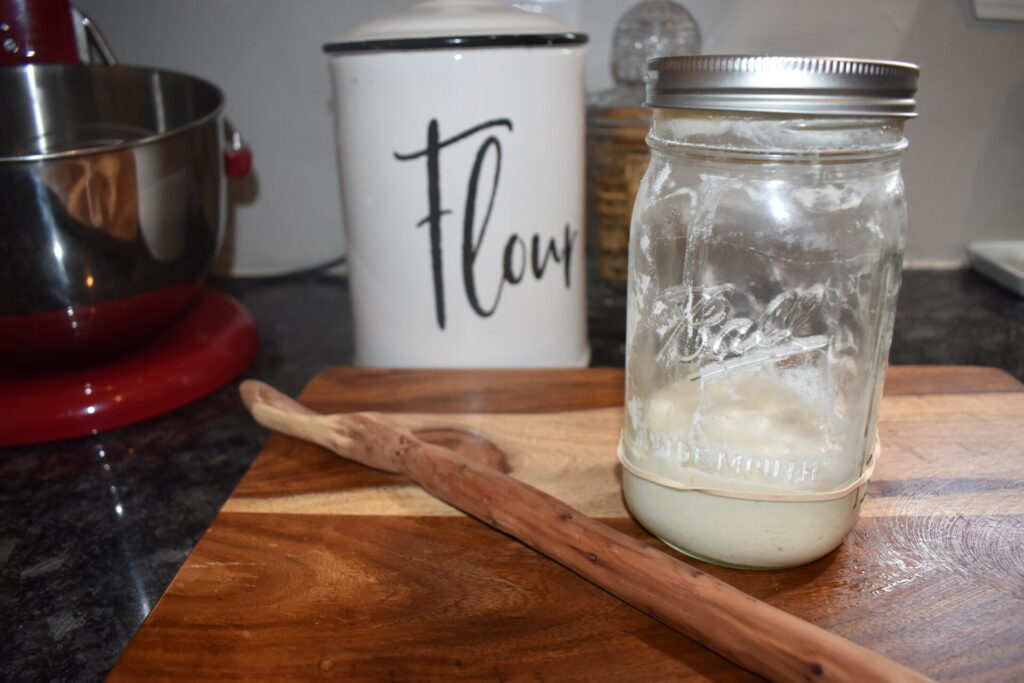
column 964, row 170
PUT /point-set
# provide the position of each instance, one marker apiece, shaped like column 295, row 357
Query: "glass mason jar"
column 764, row 262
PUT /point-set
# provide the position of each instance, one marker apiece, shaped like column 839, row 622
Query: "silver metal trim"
column 834, row 86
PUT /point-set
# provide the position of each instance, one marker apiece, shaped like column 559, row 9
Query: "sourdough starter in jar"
column 765, row 256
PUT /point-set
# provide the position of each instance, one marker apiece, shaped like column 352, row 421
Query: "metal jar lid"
column 783, row 85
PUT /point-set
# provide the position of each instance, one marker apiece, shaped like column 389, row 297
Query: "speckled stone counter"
column 92, row 530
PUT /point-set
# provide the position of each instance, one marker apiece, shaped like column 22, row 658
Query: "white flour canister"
column 460, row 129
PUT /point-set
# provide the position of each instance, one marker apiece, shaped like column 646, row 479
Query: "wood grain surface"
column 320, row 568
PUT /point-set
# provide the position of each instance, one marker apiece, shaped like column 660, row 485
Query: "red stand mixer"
column 112, row 204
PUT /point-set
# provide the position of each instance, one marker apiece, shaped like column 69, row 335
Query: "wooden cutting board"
column 318, row 568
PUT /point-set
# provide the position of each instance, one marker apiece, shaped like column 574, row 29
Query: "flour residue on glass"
column 748, row 300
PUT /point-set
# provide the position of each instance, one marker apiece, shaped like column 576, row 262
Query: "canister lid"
column 783, row 85
column 432, row 24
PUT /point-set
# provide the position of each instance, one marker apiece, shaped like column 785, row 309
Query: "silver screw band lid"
column 832, row 86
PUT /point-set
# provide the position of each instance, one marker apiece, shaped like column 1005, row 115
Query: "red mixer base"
column 204, row 350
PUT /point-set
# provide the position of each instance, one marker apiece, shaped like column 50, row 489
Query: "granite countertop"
column 93, row 530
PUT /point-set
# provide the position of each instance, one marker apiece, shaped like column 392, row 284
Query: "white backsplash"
column 963, row 170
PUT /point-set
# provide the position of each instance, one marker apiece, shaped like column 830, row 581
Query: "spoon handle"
column 745, row 630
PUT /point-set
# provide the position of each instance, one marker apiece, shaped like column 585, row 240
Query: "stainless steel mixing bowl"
column 112, row 196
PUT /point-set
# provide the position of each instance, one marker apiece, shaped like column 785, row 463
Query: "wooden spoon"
column 749, row 632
